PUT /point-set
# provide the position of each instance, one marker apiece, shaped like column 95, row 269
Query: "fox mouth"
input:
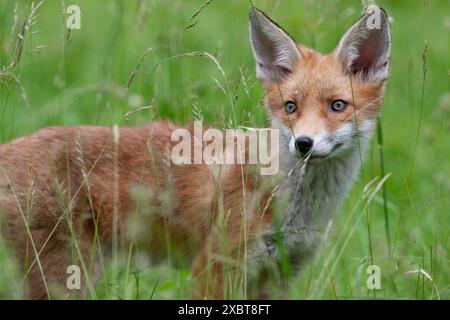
column 318, row 157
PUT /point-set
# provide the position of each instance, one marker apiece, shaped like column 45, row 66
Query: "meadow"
column 135, row 61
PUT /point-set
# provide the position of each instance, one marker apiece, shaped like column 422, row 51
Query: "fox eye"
column 338, row 105
column 290, row 107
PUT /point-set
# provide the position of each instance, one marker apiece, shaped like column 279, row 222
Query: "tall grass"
column 169, row 59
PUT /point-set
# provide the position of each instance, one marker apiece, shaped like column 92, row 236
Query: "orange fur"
column 39, row 170
column 316, row 81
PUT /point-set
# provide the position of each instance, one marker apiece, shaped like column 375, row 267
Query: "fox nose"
column 303, row 144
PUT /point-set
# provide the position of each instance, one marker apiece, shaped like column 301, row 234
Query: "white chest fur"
column 314, row 193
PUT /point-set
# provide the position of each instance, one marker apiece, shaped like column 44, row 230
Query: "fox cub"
column 69, row 195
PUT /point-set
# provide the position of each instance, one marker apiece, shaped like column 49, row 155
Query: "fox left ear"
column 275, row 51
column 366, row 47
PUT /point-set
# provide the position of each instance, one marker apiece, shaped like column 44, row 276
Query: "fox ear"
column 366, row 47
column 274, row 50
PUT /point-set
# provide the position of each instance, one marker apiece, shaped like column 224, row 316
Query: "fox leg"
column 218, row 273
column 55, row 273
column 207, row 273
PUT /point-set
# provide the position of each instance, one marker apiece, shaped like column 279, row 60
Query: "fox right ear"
column 365, row 49
column 275, row 52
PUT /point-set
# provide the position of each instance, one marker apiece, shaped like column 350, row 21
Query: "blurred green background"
column 81, row 77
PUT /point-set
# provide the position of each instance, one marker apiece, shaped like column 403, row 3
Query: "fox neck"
column 316, row 191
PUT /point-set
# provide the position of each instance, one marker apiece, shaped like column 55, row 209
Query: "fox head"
column 323, row 104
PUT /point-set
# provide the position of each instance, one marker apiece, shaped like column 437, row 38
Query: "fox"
column 68, row 194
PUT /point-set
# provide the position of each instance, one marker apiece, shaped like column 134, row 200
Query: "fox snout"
column 324, row 144
column 312, row 146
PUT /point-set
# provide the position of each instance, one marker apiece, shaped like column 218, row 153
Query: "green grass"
column 82, row 77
